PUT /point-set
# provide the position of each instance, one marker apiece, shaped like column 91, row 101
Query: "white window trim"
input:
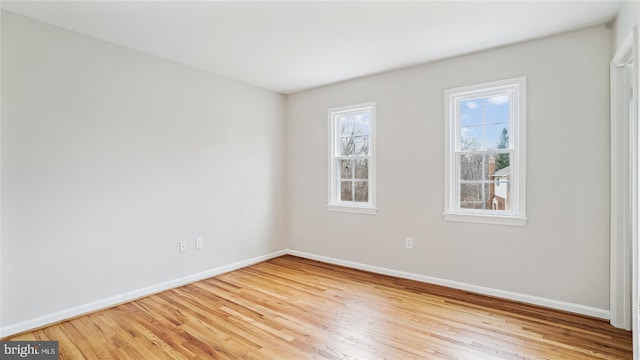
column 517, row 216
column 334, row 204
column 624, row 72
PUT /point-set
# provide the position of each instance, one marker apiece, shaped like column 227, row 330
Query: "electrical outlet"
column 182, row 246
column 408, row 243
column 199, row 242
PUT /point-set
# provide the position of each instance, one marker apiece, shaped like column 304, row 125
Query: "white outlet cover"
column 408, row 243
column 199, row 243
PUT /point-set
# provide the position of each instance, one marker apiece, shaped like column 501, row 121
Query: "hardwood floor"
column 294, row 308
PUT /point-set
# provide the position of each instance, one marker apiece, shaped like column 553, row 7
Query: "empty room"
column 319, row 180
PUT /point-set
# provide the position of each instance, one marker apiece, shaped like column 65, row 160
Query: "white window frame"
column 335, row 204
column 515, row 88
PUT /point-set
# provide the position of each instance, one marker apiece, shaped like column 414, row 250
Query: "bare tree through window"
column 352, row 161
column 354, row 170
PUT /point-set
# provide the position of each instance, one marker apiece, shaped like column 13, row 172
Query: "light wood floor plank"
column 294, row 308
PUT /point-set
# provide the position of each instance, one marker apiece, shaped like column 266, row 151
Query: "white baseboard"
column 137, row 294
column 129, row 296
column 535, row 300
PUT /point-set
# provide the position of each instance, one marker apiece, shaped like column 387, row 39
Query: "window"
column 485, row 153
column 352, row 161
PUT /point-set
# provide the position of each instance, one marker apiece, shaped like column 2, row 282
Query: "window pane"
column 488, row 196
column 484, row 123
column 499, row 99
column 471, row 196
column 500, row 193
column 471, row 112
column 346, row 126
column 475, row 196
column 346, row 169
column 484, row 137
column 361, row 145
column 470, row 138
column 497, row 109
column 473, row 167
column 502, row 167
column 346, row 193
column 361, row 125
column 362, row 191
column 362, row 169
column 478, row 167
column 346, row 146
column 496, row 136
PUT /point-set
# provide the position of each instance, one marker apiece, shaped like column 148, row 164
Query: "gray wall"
column 111, row 156
column 563, row 252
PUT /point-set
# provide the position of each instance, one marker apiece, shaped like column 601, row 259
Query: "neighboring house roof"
column 505, row 171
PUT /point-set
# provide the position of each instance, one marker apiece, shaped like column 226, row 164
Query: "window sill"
column 486, row 219
column 367, row 210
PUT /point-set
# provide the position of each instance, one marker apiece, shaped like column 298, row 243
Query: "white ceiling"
column 292, row 46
